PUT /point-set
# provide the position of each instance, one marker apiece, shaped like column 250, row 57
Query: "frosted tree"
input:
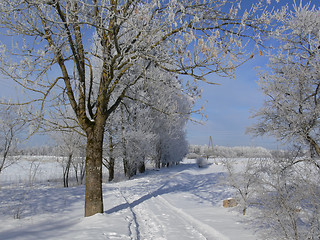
column 110, row 151
column 137, row 140
column 154, row 112
column 290, row 196
column 170, row 109
column 170, row 129
column 292, row 109
column 48, row 47
column 287, row 198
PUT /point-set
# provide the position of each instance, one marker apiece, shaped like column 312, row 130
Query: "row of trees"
column 139, row 134
column 147, row 129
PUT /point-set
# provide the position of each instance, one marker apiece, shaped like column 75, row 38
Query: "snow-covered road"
column 179, row 203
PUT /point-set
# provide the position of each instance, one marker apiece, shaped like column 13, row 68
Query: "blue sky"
column 229, row 106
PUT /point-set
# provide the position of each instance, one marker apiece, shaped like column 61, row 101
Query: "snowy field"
column 179, row 203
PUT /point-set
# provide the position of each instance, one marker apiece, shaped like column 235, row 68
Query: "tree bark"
column 111, row 169
column 126, row 166
column 93, row 197
column 111, row 158
column 313, row 145
column 130, row 168
column 66, row 171
column 158, row 157
column 141, row 167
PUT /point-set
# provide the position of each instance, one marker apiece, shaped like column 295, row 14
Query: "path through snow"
column 179, row 203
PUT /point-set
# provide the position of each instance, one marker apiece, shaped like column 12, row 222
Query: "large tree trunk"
column 93, row 198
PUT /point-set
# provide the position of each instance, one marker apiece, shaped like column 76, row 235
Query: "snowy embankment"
column 179, row 203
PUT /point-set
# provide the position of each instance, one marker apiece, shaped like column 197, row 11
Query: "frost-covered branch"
column 291, row 110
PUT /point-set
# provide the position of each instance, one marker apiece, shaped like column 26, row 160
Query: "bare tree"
column 79, row 167
column 52, row 55
column 282, row 193
column 70, row 145
column 243, row 176
column 109, row 162
column 11, row 126
column 287, row 199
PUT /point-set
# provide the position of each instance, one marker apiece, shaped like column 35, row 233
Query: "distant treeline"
column 194, row 151
column 232, row 152
column 45, row 150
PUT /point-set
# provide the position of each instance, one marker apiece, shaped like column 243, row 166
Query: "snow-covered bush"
column 282, row 193
column 243, row 176
column 201, row 162
column 288, row 199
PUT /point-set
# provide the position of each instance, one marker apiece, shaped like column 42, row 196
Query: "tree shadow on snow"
column 27, row 202
column 52, row 229
column 47, row 204
column 203, row 187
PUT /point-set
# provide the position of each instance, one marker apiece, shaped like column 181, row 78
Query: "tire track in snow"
column 145, row 227
column 153, row 221
column 207, row 231
column 172, row 220
column 152, row 215
column 204, row 229
column 133, row 223
column 151, row 226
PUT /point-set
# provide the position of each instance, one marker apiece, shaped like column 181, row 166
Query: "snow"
column 178, row 203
